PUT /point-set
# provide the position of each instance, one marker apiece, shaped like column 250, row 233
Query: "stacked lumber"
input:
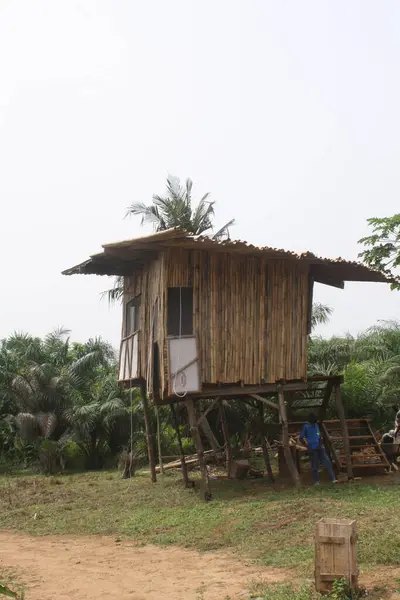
column 191, row 461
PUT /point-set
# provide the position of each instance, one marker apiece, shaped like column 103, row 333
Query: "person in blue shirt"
column 310, row 436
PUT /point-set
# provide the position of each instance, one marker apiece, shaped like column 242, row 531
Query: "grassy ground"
column 10, row 586
column 275, row 527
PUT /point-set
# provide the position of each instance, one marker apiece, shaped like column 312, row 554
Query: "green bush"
column 287, row 591
column 49, row 456
column 72, row 456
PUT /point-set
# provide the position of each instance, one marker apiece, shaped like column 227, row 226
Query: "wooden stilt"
column 160, row 459
column 264, row 443
column 225, row 432
column 149, row 433
column 178, row 436
column 199, row 447
column 345, row 431
column 285, row 439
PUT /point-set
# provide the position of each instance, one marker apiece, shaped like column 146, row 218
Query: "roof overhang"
column 123, row 258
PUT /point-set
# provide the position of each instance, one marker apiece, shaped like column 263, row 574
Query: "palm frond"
column 148, row 213
column 224, row 230
column 27, row 426
column 114, row 294
column 47, row 423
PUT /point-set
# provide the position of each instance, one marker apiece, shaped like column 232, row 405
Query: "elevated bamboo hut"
column 210, row 319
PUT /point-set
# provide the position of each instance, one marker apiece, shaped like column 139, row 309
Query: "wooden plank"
column 335, row 553
column 331, row 539
column 330, row 577
column 268, row 402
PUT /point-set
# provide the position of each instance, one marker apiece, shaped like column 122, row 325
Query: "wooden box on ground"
column 335, row 553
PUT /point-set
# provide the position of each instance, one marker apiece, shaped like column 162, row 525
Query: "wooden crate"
column 335, row 553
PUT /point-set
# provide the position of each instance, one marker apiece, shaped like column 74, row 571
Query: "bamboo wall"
column 149, row 282
column 249, row 314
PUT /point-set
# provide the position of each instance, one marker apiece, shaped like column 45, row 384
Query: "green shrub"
column 287, row 591
column 49, row 456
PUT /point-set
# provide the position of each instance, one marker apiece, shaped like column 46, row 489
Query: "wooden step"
column 354, row 437
column 336, row 422
column 362, row 455
column 368, row 466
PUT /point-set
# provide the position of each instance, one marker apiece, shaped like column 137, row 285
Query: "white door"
column 183, row 365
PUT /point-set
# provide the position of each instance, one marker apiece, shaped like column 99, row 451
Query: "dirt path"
column 83, row 568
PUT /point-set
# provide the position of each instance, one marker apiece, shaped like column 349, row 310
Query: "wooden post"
column 225, row 431
column 285, row 439
column 325, row 401
column 264, row 443
column 199, row 447
column 178, row 435
column 149, row 433
column 335, row 553
column 345, row 431
column 160, row 459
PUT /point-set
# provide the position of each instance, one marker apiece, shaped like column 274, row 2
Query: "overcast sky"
column 287, row 112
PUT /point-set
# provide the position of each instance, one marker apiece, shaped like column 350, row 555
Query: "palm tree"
column 320, row 314
column 51, row 372
column 97, row 407
column 174, row 209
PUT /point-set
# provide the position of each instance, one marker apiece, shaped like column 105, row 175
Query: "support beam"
column 208, row 432
column 178, row 436
column 205, row 413
column 345, row 431
column 149, row 432
column 285, row 439
column 264, row 442
column 325, row 401
column 199, row 447
column 268, row 402
column 225, row 431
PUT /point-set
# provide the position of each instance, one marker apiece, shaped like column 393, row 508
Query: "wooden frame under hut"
column 204, row 319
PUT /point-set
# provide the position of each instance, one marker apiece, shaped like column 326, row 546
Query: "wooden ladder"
column 366, row 453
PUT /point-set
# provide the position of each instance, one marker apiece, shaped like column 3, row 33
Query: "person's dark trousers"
column 319, row 457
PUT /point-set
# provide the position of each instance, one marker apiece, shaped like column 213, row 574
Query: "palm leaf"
column 47, row 423
column 116, row 293
column 224, row 231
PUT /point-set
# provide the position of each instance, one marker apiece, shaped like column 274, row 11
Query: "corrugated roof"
column 123, row 257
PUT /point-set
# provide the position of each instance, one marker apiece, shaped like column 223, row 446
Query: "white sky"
column 286, row 111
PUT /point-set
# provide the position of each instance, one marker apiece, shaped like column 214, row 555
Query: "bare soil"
column 83, row 568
